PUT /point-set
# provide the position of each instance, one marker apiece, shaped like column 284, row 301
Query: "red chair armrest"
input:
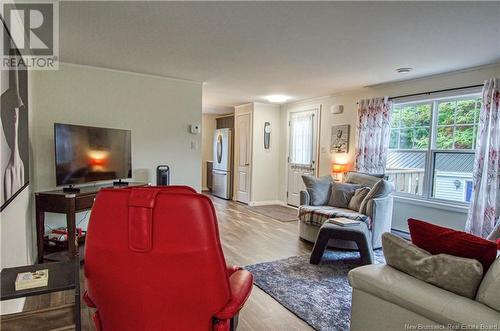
column 232, row 269
column 241, row 283
column 97, row 321
column 88, row 301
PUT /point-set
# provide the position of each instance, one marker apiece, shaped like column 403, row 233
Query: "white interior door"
column 243, row 146
column 302, row 142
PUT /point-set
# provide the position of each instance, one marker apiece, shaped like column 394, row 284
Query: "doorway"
column 243, row 153
column 302, row 151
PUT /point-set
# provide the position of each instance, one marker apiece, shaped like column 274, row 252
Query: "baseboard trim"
column 403, row 234
column 266, row 203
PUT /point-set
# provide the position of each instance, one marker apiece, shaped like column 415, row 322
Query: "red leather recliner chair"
column 153, row 261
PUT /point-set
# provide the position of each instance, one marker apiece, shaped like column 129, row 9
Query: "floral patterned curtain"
column 373, row 129
column 484, row 212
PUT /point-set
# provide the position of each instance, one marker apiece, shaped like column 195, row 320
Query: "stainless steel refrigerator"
column 221, row 173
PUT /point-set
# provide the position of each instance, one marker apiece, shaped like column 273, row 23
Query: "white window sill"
column 450, row 206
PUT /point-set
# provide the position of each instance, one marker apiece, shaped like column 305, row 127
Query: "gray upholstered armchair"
column 378, row 214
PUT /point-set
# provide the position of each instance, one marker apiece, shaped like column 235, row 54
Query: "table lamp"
column 338, row 168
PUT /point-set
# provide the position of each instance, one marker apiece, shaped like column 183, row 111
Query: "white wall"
column 157, row 110
column 402, row 209
column 265, row 162
column 208, row 125
column 16, row 223
column 16, row 239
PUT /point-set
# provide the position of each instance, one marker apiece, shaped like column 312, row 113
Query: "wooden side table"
column 58, row 201
column 62, row 276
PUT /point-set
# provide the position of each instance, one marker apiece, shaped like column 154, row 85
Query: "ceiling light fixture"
column 277, row 98
column 404, row 70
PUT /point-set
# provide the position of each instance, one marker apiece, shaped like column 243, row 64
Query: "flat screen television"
column 89, row 154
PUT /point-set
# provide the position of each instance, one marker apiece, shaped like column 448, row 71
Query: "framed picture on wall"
column 14, row 138
column 340, row 139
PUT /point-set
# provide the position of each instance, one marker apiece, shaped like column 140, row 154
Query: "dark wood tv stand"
column 60, row 202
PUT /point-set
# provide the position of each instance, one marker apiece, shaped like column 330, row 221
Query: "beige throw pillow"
column 381, row 189
column 358, row 197
column 363, row 179
column 489, row 290
column 452, row 273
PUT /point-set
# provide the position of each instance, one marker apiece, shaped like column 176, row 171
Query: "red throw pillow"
column 439, row 240
column 498, row 243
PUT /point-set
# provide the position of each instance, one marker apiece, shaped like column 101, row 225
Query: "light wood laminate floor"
column 247, row 238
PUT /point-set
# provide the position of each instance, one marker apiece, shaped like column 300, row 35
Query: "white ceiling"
column 246, row 50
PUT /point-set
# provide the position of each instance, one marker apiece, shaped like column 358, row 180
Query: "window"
column 431, row 148
column 301, row 142
column 457, row 124
column 410, row 126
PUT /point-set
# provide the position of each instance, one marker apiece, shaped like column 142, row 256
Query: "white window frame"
column 431, row 151
column 312, row 157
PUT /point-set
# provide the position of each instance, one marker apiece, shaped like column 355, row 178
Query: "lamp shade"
column 339, row 168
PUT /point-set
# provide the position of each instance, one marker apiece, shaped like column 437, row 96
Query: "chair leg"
column 319, row 248
column 222, row 325
column 234, row 323
column 365, row 250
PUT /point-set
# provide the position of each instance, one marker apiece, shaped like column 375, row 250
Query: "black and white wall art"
column 340, row 139
column 14, row 138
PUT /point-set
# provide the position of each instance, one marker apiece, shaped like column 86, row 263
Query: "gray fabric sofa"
column 379, row 214
column 384, row 298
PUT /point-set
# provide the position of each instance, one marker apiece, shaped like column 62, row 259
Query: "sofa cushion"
column 433, row 303
column 440, row 240
column 317, row 215
column 342, row 194
column 456, row 274
column 319, row 189
column 380, row 190
column 362, row 178
column 357, row 198
column 489, row 290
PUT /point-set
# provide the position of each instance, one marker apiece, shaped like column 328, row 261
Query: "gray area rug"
column 318, row 294
column 280, row 213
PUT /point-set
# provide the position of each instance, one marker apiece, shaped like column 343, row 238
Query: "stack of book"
column 26, row 280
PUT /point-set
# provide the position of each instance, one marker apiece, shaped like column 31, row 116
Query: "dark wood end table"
column 62, row 276
column 58, row 201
